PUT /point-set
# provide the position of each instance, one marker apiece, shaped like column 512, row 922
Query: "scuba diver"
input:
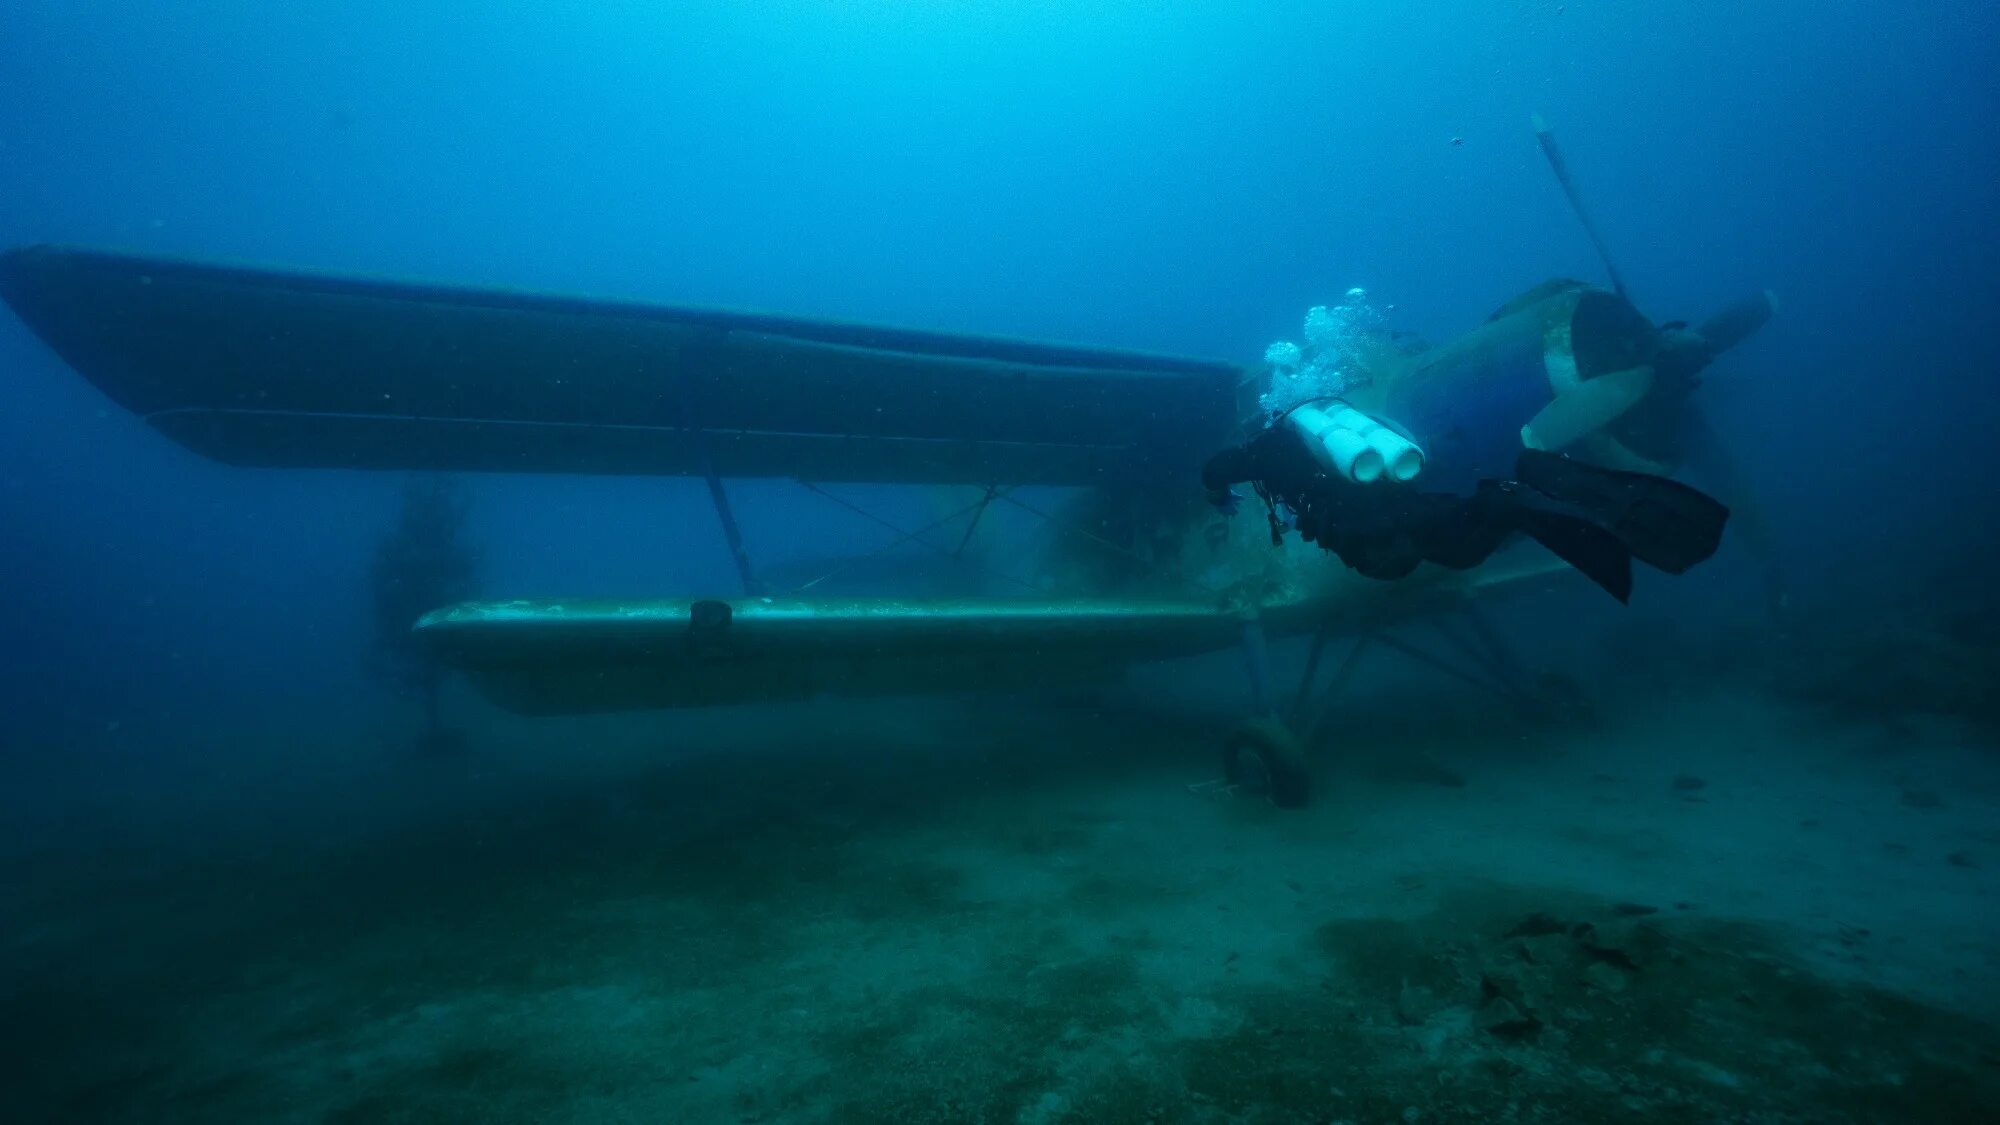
column 1596, row 519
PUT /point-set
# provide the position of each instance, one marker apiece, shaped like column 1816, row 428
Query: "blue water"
column 1174, row 178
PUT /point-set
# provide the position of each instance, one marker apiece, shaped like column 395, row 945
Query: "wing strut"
column 902, row 536
column 704, row 352
column 731, row 533
column 972, row 526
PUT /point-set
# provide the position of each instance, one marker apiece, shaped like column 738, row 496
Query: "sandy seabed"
column 1710, row 907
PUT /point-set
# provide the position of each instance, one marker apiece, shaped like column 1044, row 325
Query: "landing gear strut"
column 1268, row 754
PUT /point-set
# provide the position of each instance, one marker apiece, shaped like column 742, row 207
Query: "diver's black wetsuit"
column 1596, row 519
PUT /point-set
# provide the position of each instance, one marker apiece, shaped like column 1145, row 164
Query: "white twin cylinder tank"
column 1355, row 445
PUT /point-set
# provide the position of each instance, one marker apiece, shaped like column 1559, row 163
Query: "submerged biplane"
column 268, row 368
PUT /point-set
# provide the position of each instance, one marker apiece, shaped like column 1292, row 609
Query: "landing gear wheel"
column 1262, row 756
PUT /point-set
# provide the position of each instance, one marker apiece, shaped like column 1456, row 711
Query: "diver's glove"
column 1225, row 500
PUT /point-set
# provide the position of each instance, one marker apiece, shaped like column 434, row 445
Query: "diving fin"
column 1664, row 523
column 1594, row 552
column 1568, row 531
column 1586, row 408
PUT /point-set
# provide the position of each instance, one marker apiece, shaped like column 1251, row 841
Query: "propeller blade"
column 1738, row 322
column 1586, row 408
column 1603, row 450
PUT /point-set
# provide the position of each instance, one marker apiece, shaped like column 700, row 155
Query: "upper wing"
column 275, row 368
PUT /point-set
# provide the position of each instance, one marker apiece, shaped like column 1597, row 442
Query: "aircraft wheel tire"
column 1263, row 756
